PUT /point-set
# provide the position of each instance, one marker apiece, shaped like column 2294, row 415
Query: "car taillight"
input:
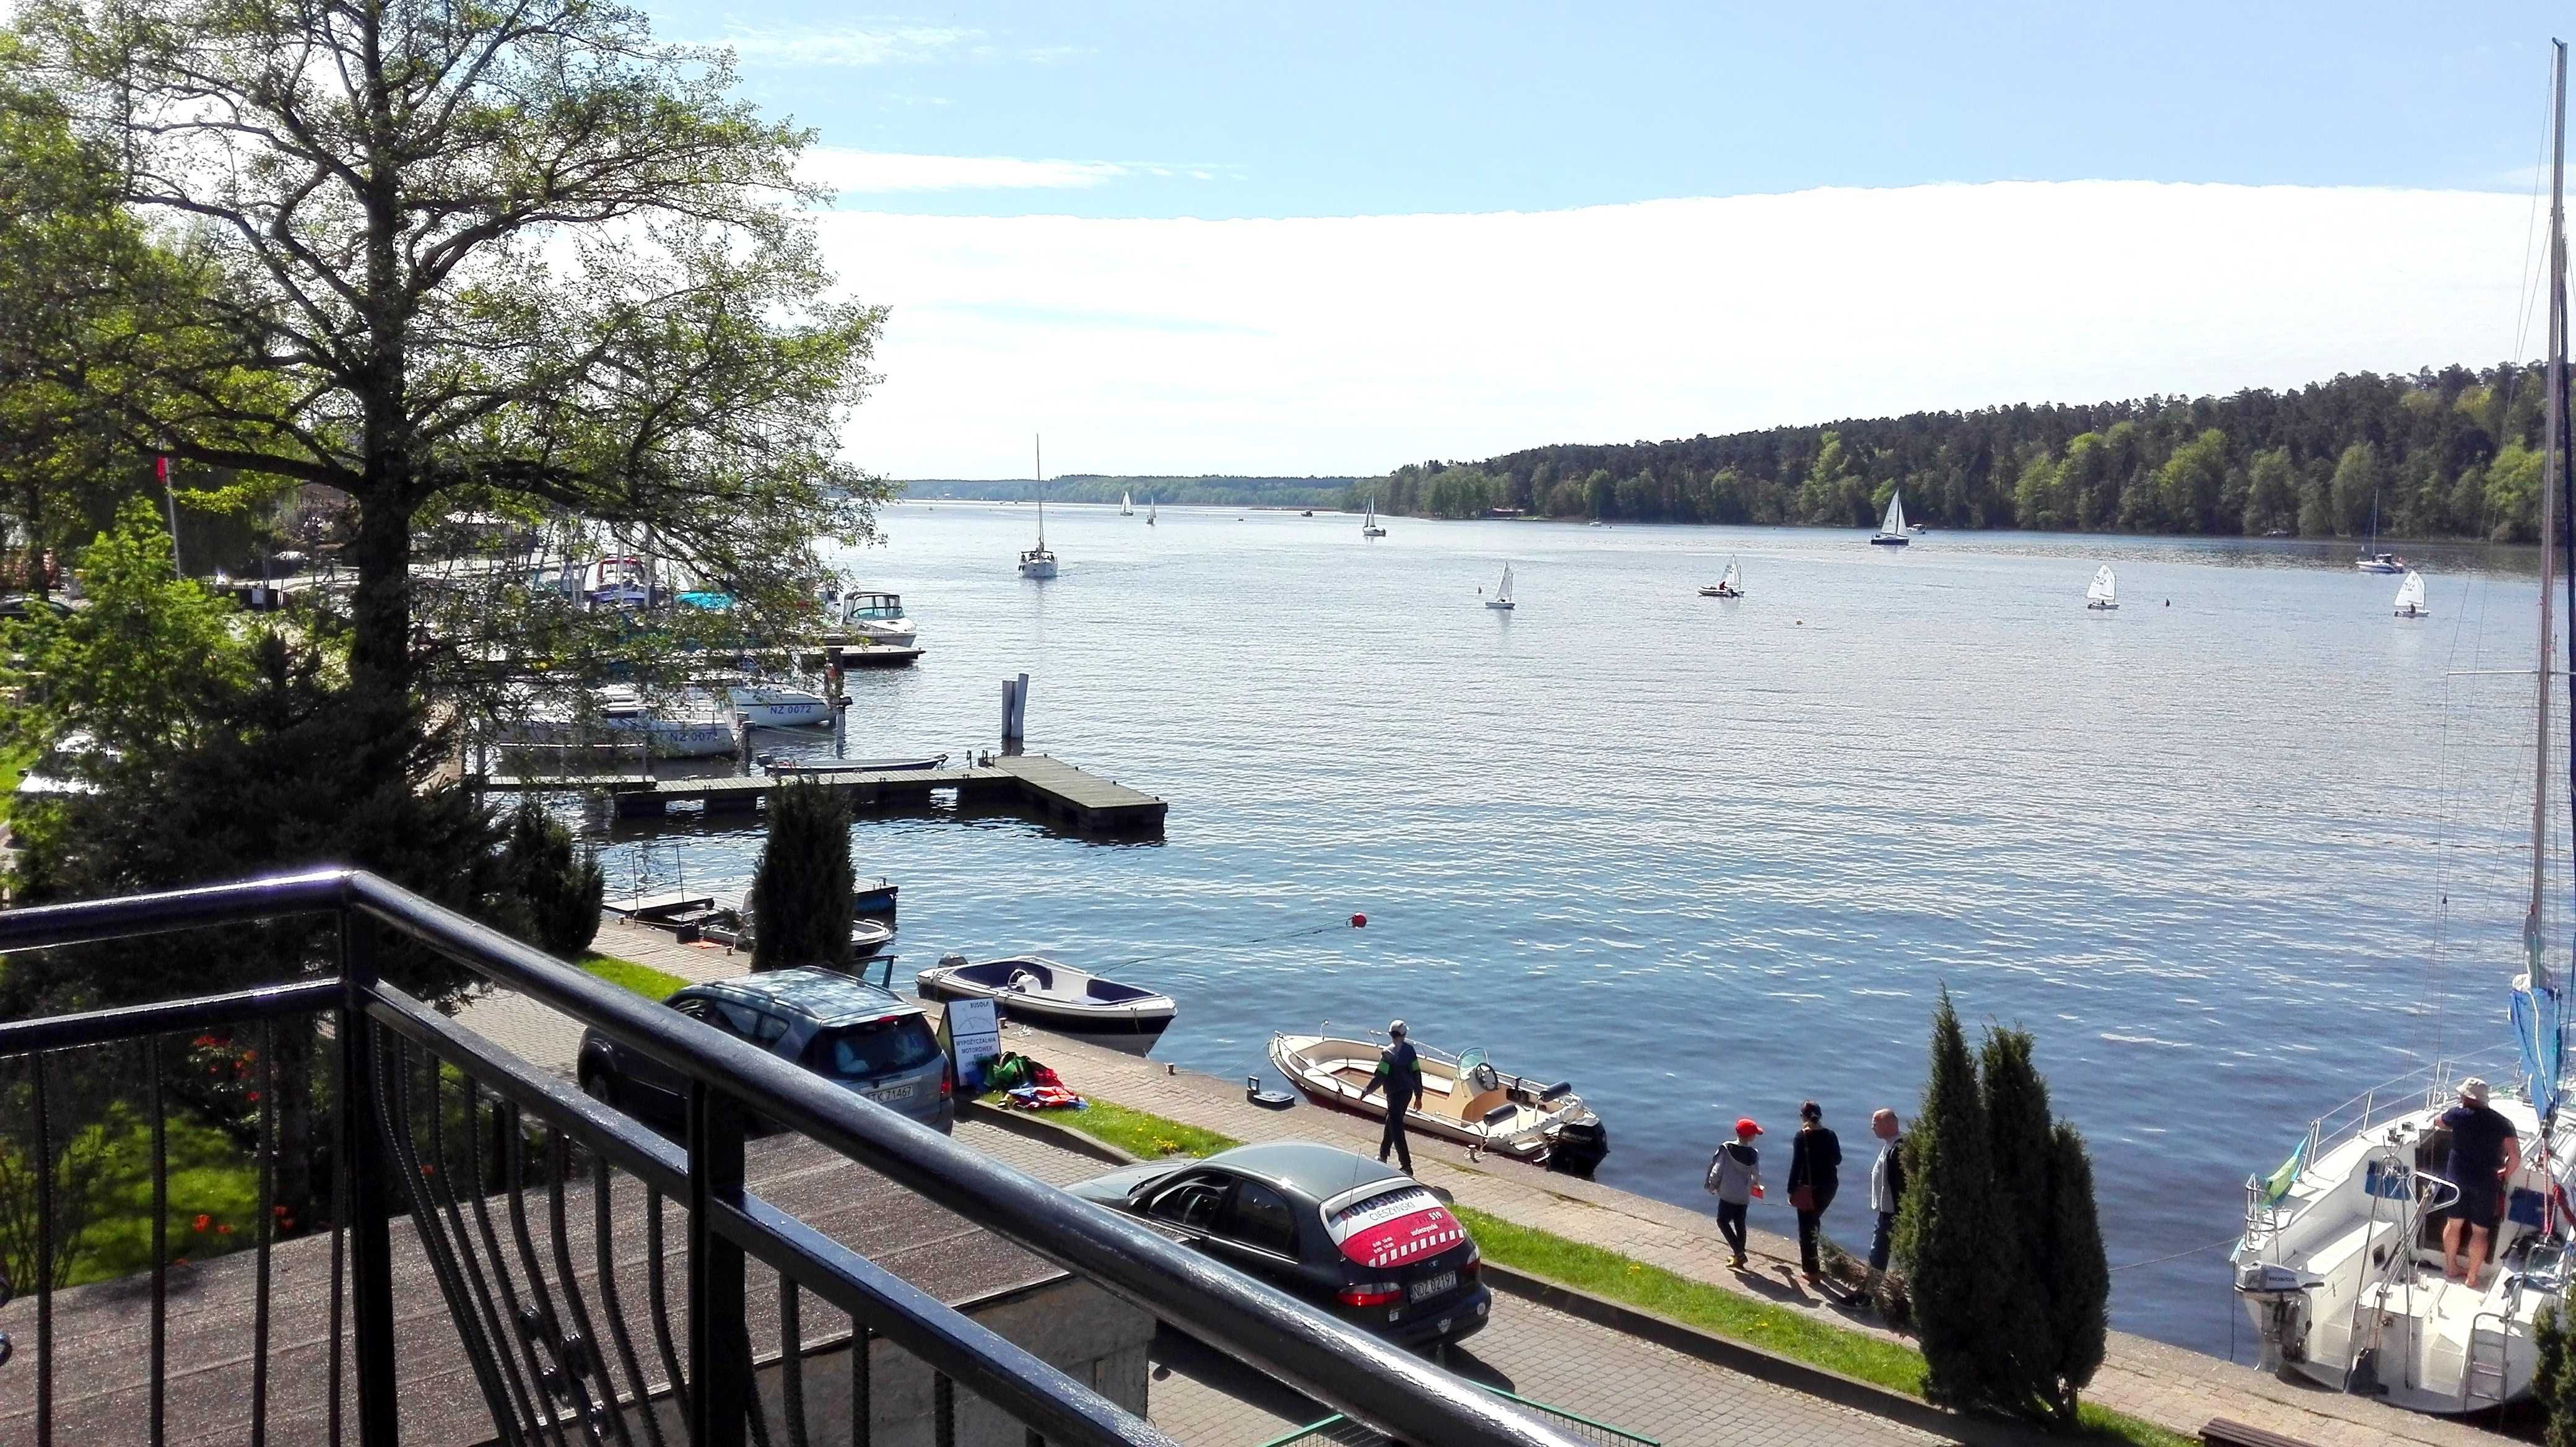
column 1475, row 1259
column 1370, row 1293
column 947, row 1084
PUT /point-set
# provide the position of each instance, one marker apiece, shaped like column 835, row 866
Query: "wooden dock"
column 1050, row 788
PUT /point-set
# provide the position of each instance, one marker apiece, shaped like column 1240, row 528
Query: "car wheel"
column 601, row 1086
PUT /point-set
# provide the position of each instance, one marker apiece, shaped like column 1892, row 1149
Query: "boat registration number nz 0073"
column 1431, row 1286
column 892, row 1092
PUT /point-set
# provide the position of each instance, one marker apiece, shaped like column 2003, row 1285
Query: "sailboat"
column 1368, row 525
column 1149, row 512
column 2372, row 560
column 1731, row 585
column 1037, row 562
column 1502, row 593
column 1891, row 531
column 1126, row 505
column 2103, row 594
column 2410, row 597
column 2341, row 1264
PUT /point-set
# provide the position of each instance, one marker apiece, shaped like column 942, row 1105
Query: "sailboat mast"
column 2555, row 460
column 1037, row 444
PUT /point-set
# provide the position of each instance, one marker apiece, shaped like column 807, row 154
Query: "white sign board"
column 974, row 1039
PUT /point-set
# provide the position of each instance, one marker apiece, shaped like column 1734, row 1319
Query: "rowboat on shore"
column 1464, row 1099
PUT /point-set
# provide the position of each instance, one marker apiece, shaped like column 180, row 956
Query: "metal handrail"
column 1366, row 1378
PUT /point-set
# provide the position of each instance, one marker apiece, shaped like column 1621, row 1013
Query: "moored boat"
column 777, row 706
column 1042, row 992
column 730, row 923
column 1464, row 1099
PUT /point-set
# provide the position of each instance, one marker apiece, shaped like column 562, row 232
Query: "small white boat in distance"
column 1368, row 524
column 1729, row 586
column 1891, row 529
column 1464, row 1099
column 1038, row 991
column 1502, row 598
column 2410, row 597
column 1149, row 512
column 1126, row 505
column 1037, row 562
column 2103, row 594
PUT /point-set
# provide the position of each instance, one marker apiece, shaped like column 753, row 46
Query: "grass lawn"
column 644, row 980
column 1606, row 1273
column 209, row 1177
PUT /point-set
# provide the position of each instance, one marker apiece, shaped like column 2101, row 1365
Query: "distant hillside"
column 1298, row 492
column 2453, row 453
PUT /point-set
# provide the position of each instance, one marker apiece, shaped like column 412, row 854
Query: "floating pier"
column 1050, row 788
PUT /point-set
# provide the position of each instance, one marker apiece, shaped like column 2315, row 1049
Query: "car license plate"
column 892, row 1092
column 1431, row 1286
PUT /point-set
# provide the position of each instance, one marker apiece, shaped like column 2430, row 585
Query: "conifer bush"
column 555, row 889
column 1944, row 1226
column 802, row 893
column 2553, row 1381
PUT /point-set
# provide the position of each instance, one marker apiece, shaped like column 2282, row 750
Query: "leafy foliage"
column 804, row 890
column 2448, row 453
column 553, row 891
column 2553, row 1382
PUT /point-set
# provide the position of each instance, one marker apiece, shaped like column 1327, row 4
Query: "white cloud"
column 846, row 45
column 864, row 172
column 1354, row 344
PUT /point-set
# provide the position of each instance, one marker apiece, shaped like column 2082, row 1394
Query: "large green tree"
column 521, row 252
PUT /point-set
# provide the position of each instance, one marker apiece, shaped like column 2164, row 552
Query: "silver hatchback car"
column 846, row 1030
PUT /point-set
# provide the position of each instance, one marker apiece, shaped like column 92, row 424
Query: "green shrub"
column 553, row 891
column 803, row 892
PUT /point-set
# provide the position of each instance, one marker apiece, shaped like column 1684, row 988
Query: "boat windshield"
column 874, row 605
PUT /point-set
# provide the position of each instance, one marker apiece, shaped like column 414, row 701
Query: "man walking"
column 1399, row 1074
column 2485, row 1149
column 1886, row 1189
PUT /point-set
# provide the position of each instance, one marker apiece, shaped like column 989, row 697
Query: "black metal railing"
column 567, row 1332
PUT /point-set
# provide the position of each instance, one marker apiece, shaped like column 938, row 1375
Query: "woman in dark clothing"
column 1815, row 1165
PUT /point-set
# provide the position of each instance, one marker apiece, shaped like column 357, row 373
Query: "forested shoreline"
column 1300, row 492
column 2453, row 453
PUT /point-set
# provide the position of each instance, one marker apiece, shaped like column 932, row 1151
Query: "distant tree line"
column 2453, row 453
column 1300, row 492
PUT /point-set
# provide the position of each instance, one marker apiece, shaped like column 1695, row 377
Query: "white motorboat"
column 1042, row 992
column 1368, row 524
column 1037, row 562
column 2102, row 595
column 776, row 706
column 618, row 582
column 619, row 717
column 1502, row 598
column 1729, row 586
column 1464, row 1099
column 2341, row 1264
column 1891, row 529
column 2410, row 597
column 869, row 616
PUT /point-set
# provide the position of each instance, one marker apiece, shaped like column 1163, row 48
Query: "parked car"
column 844, row 1029
column 1369, row 1244
column 18, row 607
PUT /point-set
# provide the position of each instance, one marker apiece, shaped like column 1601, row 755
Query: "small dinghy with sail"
column 1464, row 1099
column 2410, row 597
column 1126, row 505
column 1891, row 530
column 1038, row 991
column 1729, row 586
column 1368, row 524
column 1502, row 598
column 2103, row 594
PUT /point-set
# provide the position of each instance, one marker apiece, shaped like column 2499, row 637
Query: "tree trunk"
column 380, row 656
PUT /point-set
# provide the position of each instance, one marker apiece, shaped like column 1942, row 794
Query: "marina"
column 1048, row 788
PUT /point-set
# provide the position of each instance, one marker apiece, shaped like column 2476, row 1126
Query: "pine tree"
column 556, row 892
column 2080, row 1275
column 1945, row 1227
column 2018, row 1137
column 2553, row 1382
column 804, row 888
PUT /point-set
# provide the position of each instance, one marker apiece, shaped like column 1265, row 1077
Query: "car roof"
column 1316, row 1170
column 827, row 996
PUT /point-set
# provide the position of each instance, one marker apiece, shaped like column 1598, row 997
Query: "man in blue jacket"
column 1399, row 1074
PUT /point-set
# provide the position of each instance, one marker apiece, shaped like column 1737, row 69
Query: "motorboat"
column 2102, row 595
column 619, row 716
column 1464, row 1099
column 617, row 582
column 2410, row 597
column 776, row 706
column 1729, row 586
column 730, row 923
column 1035, row 990
column 870, row 616
column 1502, row 598
column 1891, row 529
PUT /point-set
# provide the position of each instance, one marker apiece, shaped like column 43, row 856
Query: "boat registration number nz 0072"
column 892, row 1092
column 1431, row 1286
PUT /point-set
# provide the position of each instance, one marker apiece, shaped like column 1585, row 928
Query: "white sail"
column 2105, row 589
column 2410, row 594
column 1504, row 592
column 1894, row 526
column 1126, row 505
column 1734, row 579
column 1371, row 520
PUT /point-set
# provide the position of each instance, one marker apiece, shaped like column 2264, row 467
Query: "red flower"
column 224, row 1230
column 204, row 1220
column 254, row 1097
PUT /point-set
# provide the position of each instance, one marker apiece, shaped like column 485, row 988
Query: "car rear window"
column 1396, row 1226
column 873, row 1048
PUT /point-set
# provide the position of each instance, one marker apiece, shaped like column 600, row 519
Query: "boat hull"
column 1500, row 607
column 1884, row 541
column 1038, row 570
column 1131, row 1024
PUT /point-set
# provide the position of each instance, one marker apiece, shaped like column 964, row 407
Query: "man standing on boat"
column 2484, row 1150
column 1399, row 1074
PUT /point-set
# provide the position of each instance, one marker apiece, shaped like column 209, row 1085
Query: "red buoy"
column 1359, row 921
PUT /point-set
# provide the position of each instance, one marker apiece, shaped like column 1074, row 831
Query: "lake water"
column 2235, row 852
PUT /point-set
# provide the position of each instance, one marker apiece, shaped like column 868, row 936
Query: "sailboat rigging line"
column 2177, row 1256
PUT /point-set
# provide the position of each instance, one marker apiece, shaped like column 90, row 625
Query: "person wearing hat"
column 2485, row 1149
column 1735, row 1178
column 1399, row 1074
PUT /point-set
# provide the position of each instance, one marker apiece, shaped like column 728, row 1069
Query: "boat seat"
column 1481, row 1104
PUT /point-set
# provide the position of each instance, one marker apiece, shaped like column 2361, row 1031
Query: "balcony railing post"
column 719, row 1344
column 362, row 1166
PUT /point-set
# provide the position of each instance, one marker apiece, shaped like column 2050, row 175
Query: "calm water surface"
column 2235, row 852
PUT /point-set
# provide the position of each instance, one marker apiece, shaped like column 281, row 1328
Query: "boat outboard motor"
column 2284, row 1295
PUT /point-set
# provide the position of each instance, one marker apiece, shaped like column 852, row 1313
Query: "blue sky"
column 1322, row 239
